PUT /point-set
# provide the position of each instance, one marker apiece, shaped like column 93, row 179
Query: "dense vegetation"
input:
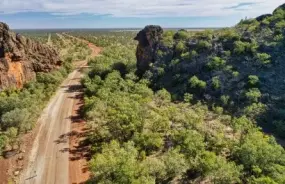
column 20, row 108
column 141, row 136
column 239, row 70
column 191, row 118
column 104, row 38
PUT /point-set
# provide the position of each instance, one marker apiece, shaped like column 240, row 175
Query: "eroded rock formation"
column 148, row 39
column 21, row 58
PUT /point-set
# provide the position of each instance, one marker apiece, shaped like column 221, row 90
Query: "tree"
column 180, row 47
column 253, row 80
column 175, row 163
column 188, row 97
column 216, row 82
column 218, row 170
column 181, row 35
column 12, row 137
column 216, row 63
column 204, row 45
column 263, row 58
column 239, row 47
column 115, row 164
column 261, row 151
column 3, row 142
column 18, row 118
column 253, row 95
column 163, row 96
column 196, row 83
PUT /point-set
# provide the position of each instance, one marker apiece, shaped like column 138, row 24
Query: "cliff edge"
column 21, row 58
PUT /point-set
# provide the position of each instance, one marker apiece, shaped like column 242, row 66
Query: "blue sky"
column 130, row 13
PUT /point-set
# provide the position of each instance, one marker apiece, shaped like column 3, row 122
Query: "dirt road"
column 49, row 157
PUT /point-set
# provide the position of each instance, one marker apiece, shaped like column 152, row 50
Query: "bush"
column 181, row 35
column 216, row 63
column 204, row 45
column 253, row 95
column 253, row 80
column 235, row 74
column 216, row 82
column 245, row 47
column 163, row 96
column 229, row 34
column 3, row 142
column 225, row 99
column 263, row 58
column 196, row 83
column 180, row 47
column 167, row 38
column 188, row 97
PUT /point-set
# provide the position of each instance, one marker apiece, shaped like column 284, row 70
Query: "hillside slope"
column 21, row 58
column 141, row 136
column 240, row 69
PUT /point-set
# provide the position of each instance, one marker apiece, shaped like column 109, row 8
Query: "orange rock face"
column 15, row 71
column 21, row 58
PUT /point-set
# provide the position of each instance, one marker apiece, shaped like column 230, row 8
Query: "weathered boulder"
column 148, row 39
column 21, row 58
column 262, row 17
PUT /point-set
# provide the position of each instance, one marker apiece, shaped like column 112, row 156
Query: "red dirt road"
column 53, row 156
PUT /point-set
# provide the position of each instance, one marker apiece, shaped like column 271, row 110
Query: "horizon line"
column 132, row 28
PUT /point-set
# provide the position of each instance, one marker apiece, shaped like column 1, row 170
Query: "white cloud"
column 143, row 8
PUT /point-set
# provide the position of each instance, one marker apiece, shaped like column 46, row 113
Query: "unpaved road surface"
column 49, row 157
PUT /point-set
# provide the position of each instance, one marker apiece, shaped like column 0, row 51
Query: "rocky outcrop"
column 218, row 67
column 148, row 39
column 21, row 58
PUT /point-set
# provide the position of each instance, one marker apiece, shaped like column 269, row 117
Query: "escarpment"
column 21, row 58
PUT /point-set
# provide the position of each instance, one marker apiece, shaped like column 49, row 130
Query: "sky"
column 32, row 14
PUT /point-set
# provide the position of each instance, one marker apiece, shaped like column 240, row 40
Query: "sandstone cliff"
column 21, row 58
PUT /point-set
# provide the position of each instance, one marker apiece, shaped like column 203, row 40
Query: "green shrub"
column 203, row 45
column 239, row 47
column 167, row 38
column 235, row 74
column 218, row 110
column 188, row 97
column 159, row 53
column 280, row 25
column 196, row 83
column 278, row 38
column 229, row 34
column 216, row 82
column 253, row 95
column 189, row 55
column 263, row 58
column 225, row 99
column 180, row 47
column 245, row 47
column 254, row 109
column 3, row 142
column 163, row 95
column 216, row 63
column 186, row 56
column 181, row 35
column 253, row 80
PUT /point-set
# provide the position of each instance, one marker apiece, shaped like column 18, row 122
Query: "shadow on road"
column 79, row 146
